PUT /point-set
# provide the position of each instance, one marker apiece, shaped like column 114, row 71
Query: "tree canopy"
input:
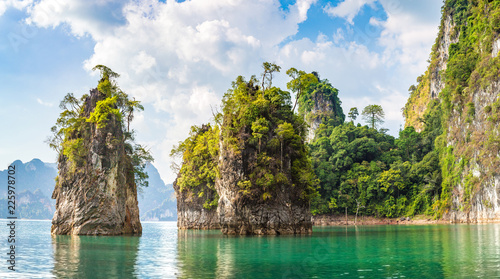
column 353, row 114
column 346, row 167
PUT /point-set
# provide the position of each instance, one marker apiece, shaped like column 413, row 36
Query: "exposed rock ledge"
column 191, row 214
column 284, row 213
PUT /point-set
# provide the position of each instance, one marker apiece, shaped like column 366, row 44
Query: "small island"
column 100, row 166
column 249, row 172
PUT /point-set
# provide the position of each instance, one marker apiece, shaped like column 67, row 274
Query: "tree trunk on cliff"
column 281, row 155
column 296, row 100
column 346, row 215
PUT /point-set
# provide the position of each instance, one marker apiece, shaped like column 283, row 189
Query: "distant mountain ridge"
column 35, row 182
column 157, row 201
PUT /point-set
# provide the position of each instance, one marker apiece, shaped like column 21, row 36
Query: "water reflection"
column 472, row 249
column 94, row 257
column 437, row 251
column 209, row 254
column 198, row 253
column 225, row 260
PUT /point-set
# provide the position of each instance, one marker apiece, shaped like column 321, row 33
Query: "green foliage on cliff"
column 263, row 127
column 70, row 127
column 462, row 126
column 199, row 153
column 71, row 136
column 102, row 112
column 360, row 168
column 345, row 168
column 258, row 125
column 319, row 101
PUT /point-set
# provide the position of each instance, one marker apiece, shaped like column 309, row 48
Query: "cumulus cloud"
column 409, row 32
column 94, row 17
column 348, row 9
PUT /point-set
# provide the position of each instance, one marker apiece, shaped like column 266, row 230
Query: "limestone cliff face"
column 97, row 195
column 190, row 211
column 464, row 76
column 432, row 82
column 447, row 36
column 321, row 108
column 476, row 192
column 194, row 186
column 248, row 214
column 320, row 105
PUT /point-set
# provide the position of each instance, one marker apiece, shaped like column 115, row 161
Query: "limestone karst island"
column 99, row 165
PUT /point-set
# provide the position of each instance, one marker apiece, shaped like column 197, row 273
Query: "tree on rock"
column 353, row 114
column 373, row 115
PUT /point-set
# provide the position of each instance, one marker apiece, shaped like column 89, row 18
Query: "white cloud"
column 142, row 62
column 94, row 17
column 46, row 104
column 16, row 4
column 348, row 9
column 409, row 32
column 303, row 7
column 178, row 57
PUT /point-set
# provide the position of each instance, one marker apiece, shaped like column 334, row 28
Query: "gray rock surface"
column 190, row 211
column 283, row 213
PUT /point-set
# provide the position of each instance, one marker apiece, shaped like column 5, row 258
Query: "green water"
column 434, row 251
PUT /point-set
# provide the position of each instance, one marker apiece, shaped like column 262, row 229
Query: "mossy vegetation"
column 262, row 125
column 102, row 111
column 198, row 171
column 346, row 168
column 257, row 124
column 418, row 101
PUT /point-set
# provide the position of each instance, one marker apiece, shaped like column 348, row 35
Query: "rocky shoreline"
column 340, row 220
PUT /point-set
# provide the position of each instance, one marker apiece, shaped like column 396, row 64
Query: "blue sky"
column 180, row 57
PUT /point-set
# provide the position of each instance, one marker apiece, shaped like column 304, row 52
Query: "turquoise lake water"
column 432, row 251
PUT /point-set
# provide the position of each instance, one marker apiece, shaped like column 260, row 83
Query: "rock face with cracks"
column 191, row 214
column 265, row 179
column 98, row 196
column 284, row 213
